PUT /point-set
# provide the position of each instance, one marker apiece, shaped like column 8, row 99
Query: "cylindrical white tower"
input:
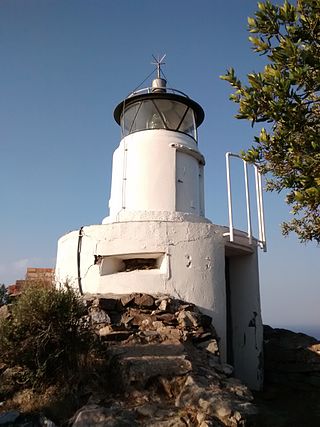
column 157, row 166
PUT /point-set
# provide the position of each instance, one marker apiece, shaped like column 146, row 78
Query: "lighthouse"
column 157, row 239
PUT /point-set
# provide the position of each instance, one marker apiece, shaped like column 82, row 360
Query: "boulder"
column 99, row 416
column 291, row 358
column 144, row 300
column 136, row 371
column 99, row 316
column 210, row 345
column 292, row 380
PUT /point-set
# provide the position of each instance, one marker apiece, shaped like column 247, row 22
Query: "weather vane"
column 158, row 62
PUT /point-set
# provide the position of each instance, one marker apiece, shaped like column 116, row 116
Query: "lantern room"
column 159, row 108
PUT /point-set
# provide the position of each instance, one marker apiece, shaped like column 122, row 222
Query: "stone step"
column 137, row 371
column 168, row 348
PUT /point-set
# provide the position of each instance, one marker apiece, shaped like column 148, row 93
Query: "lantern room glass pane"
column 173, row 112
column 128, row 118
column 188, row 124
column 158, row 114
column 149, row 117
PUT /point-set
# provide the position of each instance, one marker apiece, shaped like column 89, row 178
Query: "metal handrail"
column 259, row 196
column 151, row 90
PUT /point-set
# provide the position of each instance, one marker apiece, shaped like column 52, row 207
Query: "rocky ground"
column 160, row 367
column 291, row 395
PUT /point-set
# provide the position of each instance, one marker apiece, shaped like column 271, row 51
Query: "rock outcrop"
column 291, row 395
column 159, row 365
column 291, row 358
column 163, row 366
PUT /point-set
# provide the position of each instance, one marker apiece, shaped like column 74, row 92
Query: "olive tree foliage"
column 286, row 95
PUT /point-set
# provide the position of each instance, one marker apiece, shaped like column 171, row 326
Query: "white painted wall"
column 116, row 200
column 247, row 328
column 157, row 170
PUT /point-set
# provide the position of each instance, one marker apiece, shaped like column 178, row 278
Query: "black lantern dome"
column 159, row 107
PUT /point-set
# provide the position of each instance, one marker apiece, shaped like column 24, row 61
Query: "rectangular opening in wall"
column 124, row 263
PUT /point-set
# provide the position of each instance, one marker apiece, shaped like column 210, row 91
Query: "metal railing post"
column 246, row 183
column 229, row 196
column 262, row 234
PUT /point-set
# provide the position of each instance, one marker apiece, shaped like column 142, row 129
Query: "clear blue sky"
column 65, row 64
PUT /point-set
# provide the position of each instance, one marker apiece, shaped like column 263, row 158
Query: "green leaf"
column 259, row 44
column 251, row 22
column 264, row 137
column 298, row 196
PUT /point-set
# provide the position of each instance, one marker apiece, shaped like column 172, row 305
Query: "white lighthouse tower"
column 156, row 238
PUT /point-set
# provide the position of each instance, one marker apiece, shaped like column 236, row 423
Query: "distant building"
column 33, row 275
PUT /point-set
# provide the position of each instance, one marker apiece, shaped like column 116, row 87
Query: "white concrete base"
column 191, row 261
column 188, row 262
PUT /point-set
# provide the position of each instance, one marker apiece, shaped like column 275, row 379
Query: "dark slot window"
column 139, row 264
